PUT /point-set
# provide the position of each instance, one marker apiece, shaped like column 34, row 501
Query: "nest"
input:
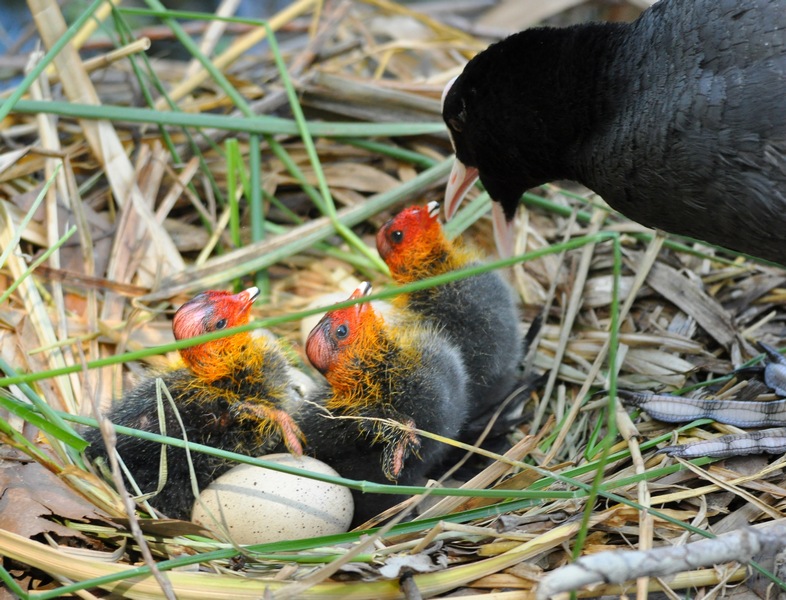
column 144, row 161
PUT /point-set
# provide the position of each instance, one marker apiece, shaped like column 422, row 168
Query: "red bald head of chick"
column 414, row 246
column 337, row 330
column 214, row 311
column 341, row 343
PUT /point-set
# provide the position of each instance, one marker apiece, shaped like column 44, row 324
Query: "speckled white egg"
column 256, row 505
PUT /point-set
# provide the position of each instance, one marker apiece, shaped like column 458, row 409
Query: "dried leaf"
column 31, row 498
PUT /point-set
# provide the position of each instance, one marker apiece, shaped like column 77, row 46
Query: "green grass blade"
column 26, row 220
column 260, row 124
column 64, row 434
column 7, row 106
column 311, row 150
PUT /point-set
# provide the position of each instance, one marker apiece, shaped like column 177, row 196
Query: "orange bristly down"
column 354, row 349
column 414, row 246
column 239, row 369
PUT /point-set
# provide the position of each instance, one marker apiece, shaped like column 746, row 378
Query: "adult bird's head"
column 339, row 330
column 494, row 111
column 412, row 241
column 213, row 311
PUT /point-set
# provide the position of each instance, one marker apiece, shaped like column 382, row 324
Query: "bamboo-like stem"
column 237, row 49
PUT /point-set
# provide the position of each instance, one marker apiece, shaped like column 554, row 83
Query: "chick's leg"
column 266, row 415
column 400, row 445
column 400, row 440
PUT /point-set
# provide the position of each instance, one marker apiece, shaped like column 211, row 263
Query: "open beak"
column 461, row 179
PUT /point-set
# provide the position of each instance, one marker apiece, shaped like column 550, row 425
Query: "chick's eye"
column 221, row 324
column 396, row 236
column 342, row 331
column 455, row 125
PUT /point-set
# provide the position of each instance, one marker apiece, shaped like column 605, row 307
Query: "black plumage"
column 479, row 314
column 232, row 394
column 381, row 369
column 677, row 119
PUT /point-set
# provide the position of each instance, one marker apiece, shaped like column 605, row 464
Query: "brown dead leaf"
column 30, row 495
column 688, row 296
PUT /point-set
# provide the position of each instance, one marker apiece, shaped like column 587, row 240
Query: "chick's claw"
column 290, row 432
column 400, row 443
column 269, row 416
column 399, row 440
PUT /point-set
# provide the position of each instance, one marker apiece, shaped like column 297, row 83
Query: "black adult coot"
column 678, row 119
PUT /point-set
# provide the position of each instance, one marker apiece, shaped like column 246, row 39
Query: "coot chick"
column 391, row 368
column 234, row 393
column 479, row 313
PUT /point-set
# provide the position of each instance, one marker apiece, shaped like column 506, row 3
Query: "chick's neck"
column 368, row 369
column 430, row 255
column 219, row 358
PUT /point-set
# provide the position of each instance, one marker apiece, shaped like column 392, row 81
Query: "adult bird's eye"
column 221, row 324
column 342, row 331
column 396, row 236
column 455, row 124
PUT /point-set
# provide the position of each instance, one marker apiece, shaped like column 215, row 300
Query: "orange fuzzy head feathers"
column 213, row 311
column 337, row 330
column 411, row 240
